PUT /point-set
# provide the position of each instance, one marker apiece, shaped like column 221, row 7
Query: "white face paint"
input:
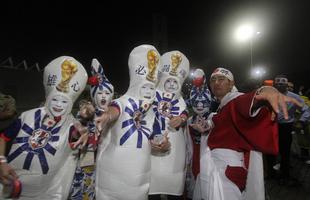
column 147, row 91
column 103, row 98
column 201, row 107
column 58, row 105
column 171, row 85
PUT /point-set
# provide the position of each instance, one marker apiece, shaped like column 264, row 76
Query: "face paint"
column 58, row 105
column 201, row 106
column 171, row 85
column 103, row 98
column 147, row 91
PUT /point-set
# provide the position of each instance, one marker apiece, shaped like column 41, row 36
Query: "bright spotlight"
column 244, row 32
column 258, row 72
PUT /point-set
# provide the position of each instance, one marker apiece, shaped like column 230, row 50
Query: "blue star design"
column 138, row 127
column 38, row 151
column 174, row 109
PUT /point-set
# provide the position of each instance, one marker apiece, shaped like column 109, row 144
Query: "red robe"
column 235, row 129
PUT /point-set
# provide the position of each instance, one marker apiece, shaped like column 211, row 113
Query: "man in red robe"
column 243, row 128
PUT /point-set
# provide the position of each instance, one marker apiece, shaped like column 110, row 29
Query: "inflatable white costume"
column 168, row 168
column 124, row 166
column 41, row 155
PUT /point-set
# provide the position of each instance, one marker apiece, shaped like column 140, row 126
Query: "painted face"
column 147, row 91
column 171, row 85
column 220, row 86
column 58, row 105
column 201, row 106
column 103, row 98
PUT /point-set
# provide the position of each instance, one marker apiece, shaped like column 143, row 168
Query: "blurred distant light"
column 258, row 72
column 245, row 32
column 191, row 73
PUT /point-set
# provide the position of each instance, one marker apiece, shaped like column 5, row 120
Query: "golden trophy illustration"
column 176, row 59
column 152, row 61
column 68, row 69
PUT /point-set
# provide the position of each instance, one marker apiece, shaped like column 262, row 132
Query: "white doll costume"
column 41, row 155
column 168, row 169
column 124, row 165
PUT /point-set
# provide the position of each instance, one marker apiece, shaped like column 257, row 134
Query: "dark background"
column 202, row 30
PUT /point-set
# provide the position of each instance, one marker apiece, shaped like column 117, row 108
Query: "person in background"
column 286, row 127
column 7, row 107
column 200, row 101
column 40, row 164
column 290, row 86
column 243, row 127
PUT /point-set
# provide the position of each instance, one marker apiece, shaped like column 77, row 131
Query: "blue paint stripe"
column 128, row 133
column 50, row 149
column 27, row 129
column 37, row 119
column 28, row 161
column 127, row 123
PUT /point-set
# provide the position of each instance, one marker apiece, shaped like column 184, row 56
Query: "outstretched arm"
column 107, row 117
column 275, row 99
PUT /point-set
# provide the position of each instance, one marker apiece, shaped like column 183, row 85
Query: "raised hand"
column 277, row 100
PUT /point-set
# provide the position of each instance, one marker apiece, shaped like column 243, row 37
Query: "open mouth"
column 147, row 97
column 103, row 101
column 57, row 109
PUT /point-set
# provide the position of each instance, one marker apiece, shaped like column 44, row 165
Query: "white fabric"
column 56, row 183
column 123, row 166
column 140, row 65
column 168, row 169
column 54, row 75
column 223, row 72
column 123, row 170
column 255, row 181
column 166, row 71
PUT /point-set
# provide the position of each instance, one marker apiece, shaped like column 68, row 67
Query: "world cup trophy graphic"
column 68, row 69
column 152, row 61
column 176, row 59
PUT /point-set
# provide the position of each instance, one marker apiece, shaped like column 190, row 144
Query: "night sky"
column 202, row 30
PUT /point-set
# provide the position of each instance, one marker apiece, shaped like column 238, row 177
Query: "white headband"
column 223, row 72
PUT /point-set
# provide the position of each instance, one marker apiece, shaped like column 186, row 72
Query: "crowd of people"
column 149, row 142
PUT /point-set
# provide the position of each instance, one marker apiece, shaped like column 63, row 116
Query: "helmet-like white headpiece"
column 66, row 77
column 174, row 66
column 143, row 63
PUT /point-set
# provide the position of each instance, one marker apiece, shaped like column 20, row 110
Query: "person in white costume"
column 168, row 167
column 124, row 164
column 243, row 127
column 41, row 157
column 101, row 92
column 200, row 101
